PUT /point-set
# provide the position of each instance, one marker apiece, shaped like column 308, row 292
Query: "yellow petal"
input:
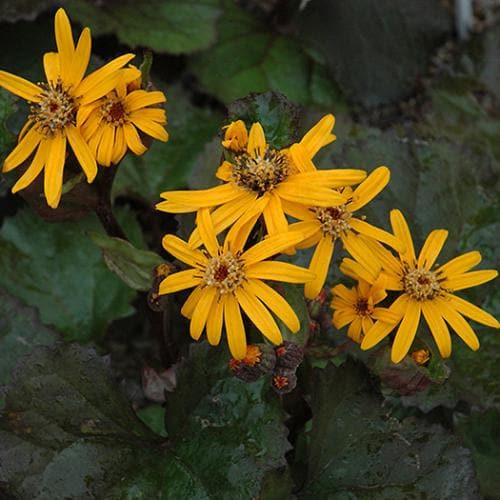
column 276, row 303
column 141, row 98
column 34, row 169
column 54, row 169
column 133, row 140
column 402, row 232
column 270, row 246
column 207, row 233
column 300, row 159
column 432, row 247
column 274, row 217
column 376, row 233
column 319, row 265
column 406, row 331
column 369, row 188
column 203, row 197
column 120, row 146
column 469, row 280
column 23, row 150
column 192, row 301
column 200, row 314
column 279, row 271
column 214, row 322
column 151, row 114
column 381, row 329
column 105, row 149
column 361, row 253
column 471, row 311
column 81, row 58
column 354, row 330
column 460, row 264
column 64, row 42
column 434, row 318
column 153, row 129
column 180, row 281
column 52, row 67
column 458, row 323
column 316, row 196
column 21, row 87
column 256, row 141
column 82, row 152
column 319, row 135
column 107, row 73
column 259, row 315
column 348, row 294
column 235, row 331
column 182, row 251
column 333, row 178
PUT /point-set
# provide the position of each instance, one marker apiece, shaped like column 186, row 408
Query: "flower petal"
column 319, row 265
column 180, row 281
column 141, row 98
column 319, row 135
column 182, row 251
column 64, row 41
column 279, row 271
column 207, row 233
column 256, row 141
column 369, row 188
column 81, row 58
column 469, row 280
column 361, row 253
column 471, row 311
column 402, row 232
column 214, row 322
column 133, row 140
column 235, row 330
column 52, row 67
column 274, row 216
column 82, row 152
column 21, row 87
column 201, row 198
column 34, row 169
column 376, row 233
column 434, row 318
column 406, row 331
column 314, row 195
column 200, row 314
column 276, row 303
column 432, row 247
column 151, row 128
column 189, row 306
column 54, row 169
column 23, row 149
column 259, row 315
column 460, row 264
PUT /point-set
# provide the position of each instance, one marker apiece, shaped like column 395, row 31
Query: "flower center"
column 225, row 272
column 55, row 110
column 113, row 111
column 421, row 284
column 334, row 220
column 362, row 307
column 262, row 173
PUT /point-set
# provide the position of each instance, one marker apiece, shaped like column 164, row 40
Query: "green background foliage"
column 75, row 329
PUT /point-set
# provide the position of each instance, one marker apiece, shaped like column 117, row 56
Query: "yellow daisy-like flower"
column 227, row 278
column 356, row 307
column 110, row 125
column 428, row 290
column 259, row 179
column 54, row 106
column 327, row 224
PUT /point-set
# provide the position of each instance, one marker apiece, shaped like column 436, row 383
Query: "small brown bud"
column 259, row 360
column 289, row 355
column 284, row 380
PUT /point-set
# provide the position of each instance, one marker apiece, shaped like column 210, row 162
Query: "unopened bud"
column 259, row 360
column 289, row 355
column 421, row 356
column 284, row 380
column 315, row 306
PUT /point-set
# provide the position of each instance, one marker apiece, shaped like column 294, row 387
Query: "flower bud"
column 289, row 355
column 421, row 357
column 284, row 380
column 259, row 360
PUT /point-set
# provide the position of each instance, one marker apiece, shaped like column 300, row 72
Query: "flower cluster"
column 98, row 114
column 297, row 205
column 417, row 287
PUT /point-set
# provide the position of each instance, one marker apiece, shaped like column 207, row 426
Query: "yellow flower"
column 236, row 136
column 428, row 290
column 259, row 179
column 327, row 224
column 54, row 106
column 226, row 278
column 356, row 307
column 110, row 124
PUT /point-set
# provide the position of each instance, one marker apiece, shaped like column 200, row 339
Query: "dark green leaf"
column 57, row 268
column 154, row 417
column 133, row 266
column 20, row 331
column 169, row 165
column 66, row 430
column 278, row 116
column 481, row 433
column 248, row 57
column 376, row 49
column 173, row 26
column 357, row 450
